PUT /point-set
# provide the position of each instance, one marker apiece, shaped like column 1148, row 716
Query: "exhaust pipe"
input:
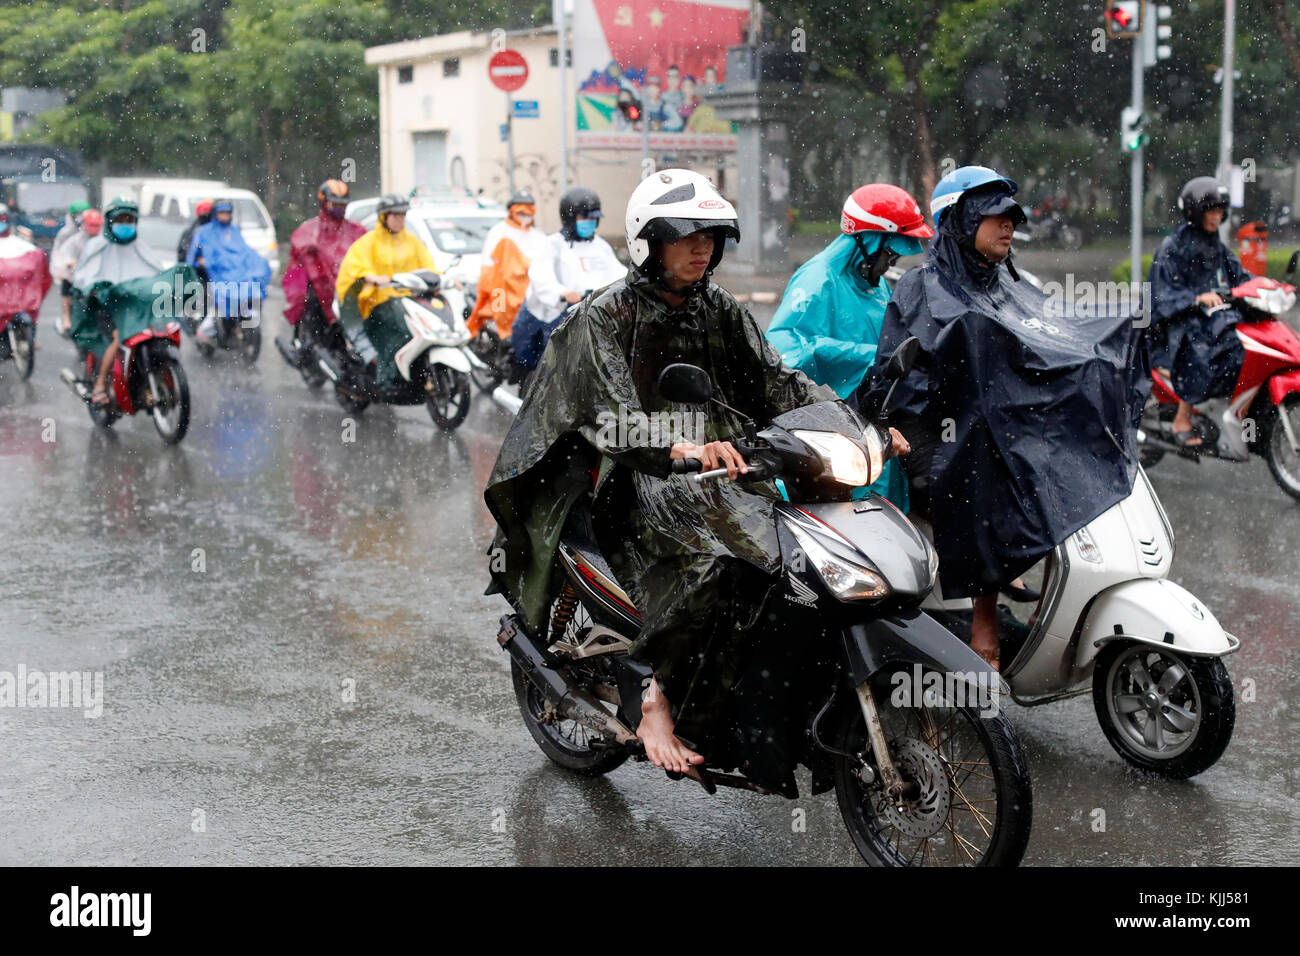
column 572, row 702
column 507, row 400
column 328, row 368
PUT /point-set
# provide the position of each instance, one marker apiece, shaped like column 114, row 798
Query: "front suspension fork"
column 897, row 788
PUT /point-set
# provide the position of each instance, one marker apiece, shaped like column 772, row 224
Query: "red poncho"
column 316, row 250
column 24, row 277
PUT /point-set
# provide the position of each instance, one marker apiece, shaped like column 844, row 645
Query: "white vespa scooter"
column 1110, row 619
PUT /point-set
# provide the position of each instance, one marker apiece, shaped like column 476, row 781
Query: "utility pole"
column 561, row 17
column 1135, row 169
column 1225, row 113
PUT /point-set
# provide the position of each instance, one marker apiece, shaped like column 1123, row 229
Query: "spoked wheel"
column 171, row 402
column 566, row 742
column 1282, row 461
column 968, row 799
column 352, row 404
column 1163, row 712
column 448, row 400
column 22, row 344
column 486, row 346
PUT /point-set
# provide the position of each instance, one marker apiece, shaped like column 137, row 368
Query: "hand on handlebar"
column 715, row 454
column 572, row 296
column 1210, row 299
column 898, row 444
column 378, row 280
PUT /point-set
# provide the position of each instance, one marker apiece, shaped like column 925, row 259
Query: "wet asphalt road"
column 300, row 665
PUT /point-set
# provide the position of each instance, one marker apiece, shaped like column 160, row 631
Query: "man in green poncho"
column 696, row 558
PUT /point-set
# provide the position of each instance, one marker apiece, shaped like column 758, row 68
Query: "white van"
column 167, row 209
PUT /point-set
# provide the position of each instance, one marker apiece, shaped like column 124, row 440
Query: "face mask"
column 524, row 221
column 335, row 211
column 586, row 228
column 125, row 231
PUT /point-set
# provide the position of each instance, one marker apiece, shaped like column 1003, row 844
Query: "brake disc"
column 925, row 814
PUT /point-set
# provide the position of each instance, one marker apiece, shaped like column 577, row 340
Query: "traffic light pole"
column 1225, row 114
column 510, row 140
column 1135, row 171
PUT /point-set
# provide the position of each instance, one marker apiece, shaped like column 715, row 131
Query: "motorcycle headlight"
column 846, row 580
column 843, row 458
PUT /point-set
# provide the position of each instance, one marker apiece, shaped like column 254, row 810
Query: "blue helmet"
column 949, row 190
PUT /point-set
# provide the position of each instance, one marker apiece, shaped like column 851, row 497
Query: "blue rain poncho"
column 828, row 325
column 236, row 272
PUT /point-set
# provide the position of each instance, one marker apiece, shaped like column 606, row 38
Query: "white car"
column 451, row 225
column 166, row 211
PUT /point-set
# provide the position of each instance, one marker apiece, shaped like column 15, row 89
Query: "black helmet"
column 578, row 201
column 521, row 197
column 1199, row 196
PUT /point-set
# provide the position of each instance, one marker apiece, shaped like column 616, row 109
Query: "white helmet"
column 671, row 204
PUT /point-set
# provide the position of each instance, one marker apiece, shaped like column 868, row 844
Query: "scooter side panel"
column 1283, row 384
column 452, row 358
column 1158, row 612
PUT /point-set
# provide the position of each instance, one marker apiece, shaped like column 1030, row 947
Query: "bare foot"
column 1183, row 423
column 662, row 748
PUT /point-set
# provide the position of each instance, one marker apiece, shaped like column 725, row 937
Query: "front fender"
column 1152, row 611
column 910, row 637
column 452, row 358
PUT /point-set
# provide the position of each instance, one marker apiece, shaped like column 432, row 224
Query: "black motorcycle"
column 891, row 710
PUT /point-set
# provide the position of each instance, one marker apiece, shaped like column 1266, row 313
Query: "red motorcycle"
column 1263, row 414
column 146, row 376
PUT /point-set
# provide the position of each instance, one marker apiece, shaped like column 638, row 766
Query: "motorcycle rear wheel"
column 171, row 409
column 566, row 742
column 1282, row 461
column 22, row 343
column 1195, row 689
column 946, row 751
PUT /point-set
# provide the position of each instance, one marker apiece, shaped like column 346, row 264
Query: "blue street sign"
column 525, row 109
column 505, row 132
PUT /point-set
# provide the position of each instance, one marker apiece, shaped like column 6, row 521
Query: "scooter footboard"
column 1153, row 611
column 909, row 638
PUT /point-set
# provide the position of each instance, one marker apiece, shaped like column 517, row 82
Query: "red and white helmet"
column 880, row 207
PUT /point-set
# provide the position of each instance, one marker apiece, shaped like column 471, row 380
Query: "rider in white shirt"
column 579, row 261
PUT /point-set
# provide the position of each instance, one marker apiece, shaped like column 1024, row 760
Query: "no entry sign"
column 508, row 70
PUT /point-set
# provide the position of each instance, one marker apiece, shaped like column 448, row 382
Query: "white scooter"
column 434, row 364
column 1110, row 620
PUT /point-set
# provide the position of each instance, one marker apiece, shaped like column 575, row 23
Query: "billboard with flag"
column 668, row 54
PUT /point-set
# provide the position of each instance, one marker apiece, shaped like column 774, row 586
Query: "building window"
column 405, row 74
column 451, row 66
column 555, row 56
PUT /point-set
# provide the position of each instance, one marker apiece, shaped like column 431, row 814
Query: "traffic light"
column 1124, row 18
column 1132, row 134
column 1156, row 41
column 629, row 106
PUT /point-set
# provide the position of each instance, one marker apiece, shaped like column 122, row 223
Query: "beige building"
column 440, row 122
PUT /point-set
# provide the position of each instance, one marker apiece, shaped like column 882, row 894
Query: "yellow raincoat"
column 379, row 252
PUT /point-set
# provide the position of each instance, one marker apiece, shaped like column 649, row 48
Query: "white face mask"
column 524, row 220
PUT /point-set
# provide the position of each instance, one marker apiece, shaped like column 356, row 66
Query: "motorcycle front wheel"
column 448, row 400
column 250, row 344
column 1161, row 711
column 1282, row 461
column 487, row 347
column 969, row 799
column 22, row 343
column 171, row 404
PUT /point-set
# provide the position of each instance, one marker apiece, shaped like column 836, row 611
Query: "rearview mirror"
column 1289, row 278
column 900, row 363
column 680, row 382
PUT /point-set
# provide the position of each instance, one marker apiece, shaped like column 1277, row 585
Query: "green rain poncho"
column 129, row 281
column 693, row 557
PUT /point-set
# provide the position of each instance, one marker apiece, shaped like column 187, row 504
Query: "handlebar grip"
column 683, row 465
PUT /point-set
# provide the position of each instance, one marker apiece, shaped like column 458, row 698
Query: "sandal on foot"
column 1185, row 438
column 1025, row 595
column 99, row 397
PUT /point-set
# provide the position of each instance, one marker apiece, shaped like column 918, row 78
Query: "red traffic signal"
column 1124, row 18
column 629, row 106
